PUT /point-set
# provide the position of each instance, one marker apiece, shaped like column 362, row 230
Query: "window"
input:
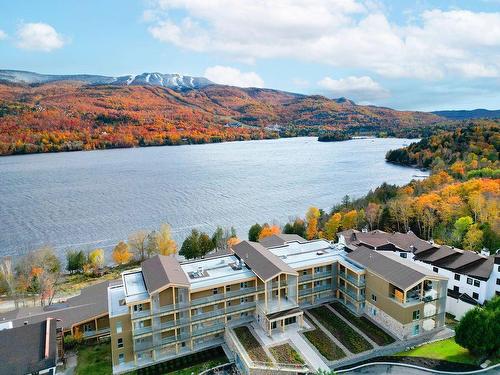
column 87, row 327
column 475, row 295
column 304, row 272
column 456, row 289
column 374, row 297
column 435, row 269
column 216, row 291
column 138, row 307
column 229, row 303
column 228, row 288
column 403, row 255
column 374, row 311
column 416, row 330
column 498, row 269
column 457, row 277
column 416, row 315
column 120, row 343
column 469, row 281
column 317, row 269
column 229, row 318
column 121, row 302
column 243, row 299
column 121, row 358
column 244, row 285
column 119, row 327
column 498, row 281
column 477, row 283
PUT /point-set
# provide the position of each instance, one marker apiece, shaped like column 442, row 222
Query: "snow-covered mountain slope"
column 173, row 81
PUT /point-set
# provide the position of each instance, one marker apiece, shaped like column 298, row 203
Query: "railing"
column 316, row 289
column 243, row 291
column 140, row 314
column 408, row 301
column 281, row 284
column 241, row 306
column 315, row 276
column 104, row 331
column 142, row 330
column 212, row 328
column 206, row 315
column 353, row 280
column 352, row 294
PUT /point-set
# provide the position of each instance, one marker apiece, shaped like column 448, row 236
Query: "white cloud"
column 227, row 75
column 39, row 37
column 342, row 33
column 3, row 35
column 359, row 88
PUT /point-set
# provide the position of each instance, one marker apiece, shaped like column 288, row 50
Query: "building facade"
column 167, row 309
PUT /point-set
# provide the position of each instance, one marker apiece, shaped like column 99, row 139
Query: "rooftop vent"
column 321, row 252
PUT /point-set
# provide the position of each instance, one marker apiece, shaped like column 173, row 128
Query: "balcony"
column 410, row 299
column 142, row 331
column 140, row 314
column 275, row 305
column 315, row 276
column 243, row 291
column 241, row 306
column 207, row 315
column 352, row 294
column 99, row 332
column 316, row 289
column 274, row 285
column 353, row 280
column 209, row 329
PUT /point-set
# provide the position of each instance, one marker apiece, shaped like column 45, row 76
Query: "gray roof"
column 162, row 270
column 92, row 302
column 23, row 349
column 280, row 239
column 263, row 263
column 435, row 254
column 398, row 271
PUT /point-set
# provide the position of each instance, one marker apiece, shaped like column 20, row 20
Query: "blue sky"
column 418, row 55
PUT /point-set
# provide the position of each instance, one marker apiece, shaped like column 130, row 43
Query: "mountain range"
column 47, row 113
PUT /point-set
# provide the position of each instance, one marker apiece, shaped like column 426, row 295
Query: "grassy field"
column 95, row 360
column 322, row 342
column 251, row 345
column 286, row 354
column 352, row 340
column 367, row 327
column 447, row 350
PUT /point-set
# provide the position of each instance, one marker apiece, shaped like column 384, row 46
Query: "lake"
column 94, row 199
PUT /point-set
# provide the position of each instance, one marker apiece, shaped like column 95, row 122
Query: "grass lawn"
column 322, row 342
column 251, row 345
column 196, row 369
column 95, row 360
column 367, row 327
column 344, row 333
column 286, row 354
column 447, row 350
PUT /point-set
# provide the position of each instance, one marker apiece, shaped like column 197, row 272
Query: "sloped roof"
column 435, row 254
column 398, row 271
column 263, row 263
column 280, row 239
column 91, row 302
column 162, row 270
column 23, row 349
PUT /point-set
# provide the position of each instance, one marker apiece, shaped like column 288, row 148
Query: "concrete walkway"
column 356, row 329
column 293, row 337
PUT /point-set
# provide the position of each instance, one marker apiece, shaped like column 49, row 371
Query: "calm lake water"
column 94, row 199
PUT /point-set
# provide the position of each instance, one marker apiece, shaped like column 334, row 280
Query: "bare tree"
column 138, row 242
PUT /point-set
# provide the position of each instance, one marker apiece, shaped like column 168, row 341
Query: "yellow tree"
column 96, row 259
column 312, row 217
column 332, row 226
column 349, row 219
column 121, row 253
column 473, row 240
column 233, row 241
column 269, row 230
column 166, row 245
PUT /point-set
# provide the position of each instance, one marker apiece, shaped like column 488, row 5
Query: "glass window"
column 498, row 281
column 228, row 288
column 119, row 327
column 244, row 285
column 416, row 314
column 477, row 283
column 304, row 272
column 475, row 295
column 120, row 343
column 121, row 358
column 416, row 329
column 215, row 290
column 435, row 269
column 456, row 289
column 457, row 277
column 469, row 281
column 374, row 297
column 403, row 255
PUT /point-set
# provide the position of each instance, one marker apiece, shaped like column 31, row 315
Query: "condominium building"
column 473, row 278
column 167, row 309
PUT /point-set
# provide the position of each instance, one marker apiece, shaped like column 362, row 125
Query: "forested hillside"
column 457, row 205
column 66, row 116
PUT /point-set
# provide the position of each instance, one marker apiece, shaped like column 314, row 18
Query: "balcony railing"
column 353, row 280
column 316, row 289
column 104, row 331
column 207, row 315
column 209, row 329
column 281, row 284
column 315, row 276
column 409, row 299
column 351, row 293
column 241, row 306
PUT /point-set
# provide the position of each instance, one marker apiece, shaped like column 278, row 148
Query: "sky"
column 412, row 55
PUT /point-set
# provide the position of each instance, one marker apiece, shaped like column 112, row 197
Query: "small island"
column 334, row 136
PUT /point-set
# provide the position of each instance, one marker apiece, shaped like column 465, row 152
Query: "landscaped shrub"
column 286, row 354
column 251, row 345
column 367, row 327
column 325, row 346
column 337, row 327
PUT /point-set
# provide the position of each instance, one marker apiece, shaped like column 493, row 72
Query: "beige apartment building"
column 166, row 309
